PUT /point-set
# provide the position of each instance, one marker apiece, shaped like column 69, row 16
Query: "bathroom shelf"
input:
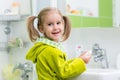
column 9, row 17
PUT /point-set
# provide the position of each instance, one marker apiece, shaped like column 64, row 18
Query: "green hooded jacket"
column 51, row 63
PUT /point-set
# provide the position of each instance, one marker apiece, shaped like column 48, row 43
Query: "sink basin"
column 98, row 74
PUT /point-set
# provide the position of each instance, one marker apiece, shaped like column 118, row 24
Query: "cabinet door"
column 25, row 7
column 94, row 13
column 13, row 10
column 15, row 7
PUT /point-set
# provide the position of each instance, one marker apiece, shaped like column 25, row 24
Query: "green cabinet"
column 104, row 18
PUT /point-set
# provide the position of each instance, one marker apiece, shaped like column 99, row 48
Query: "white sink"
column 99, row 74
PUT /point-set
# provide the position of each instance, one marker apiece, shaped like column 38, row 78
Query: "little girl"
column 47, row 52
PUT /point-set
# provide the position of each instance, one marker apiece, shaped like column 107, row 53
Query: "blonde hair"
column 33, row 32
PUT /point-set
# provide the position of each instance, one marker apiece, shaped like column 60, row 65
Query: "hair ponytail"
column 33, row 33
column 67, row 29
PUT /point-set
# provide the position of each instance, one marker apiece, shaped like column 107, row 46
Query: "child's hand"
column 86, row 56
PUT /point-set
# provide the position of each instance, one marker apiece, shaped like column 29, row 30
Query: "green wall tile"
column 76, row 21
column 106, row 22
column 90, row 21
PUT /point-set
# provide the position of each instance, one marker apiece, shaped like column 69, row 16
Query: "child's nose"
column 55, row 26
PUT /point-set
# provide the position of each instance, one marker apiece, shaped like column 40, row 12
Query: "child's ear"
column 41, row 29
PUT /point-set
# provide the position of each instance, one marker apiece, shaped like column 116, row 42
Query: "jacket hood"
column 35, row 51
column 40, row 45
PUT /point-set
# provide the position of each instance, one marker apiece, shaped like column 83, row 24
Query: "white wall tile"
column 3, row 62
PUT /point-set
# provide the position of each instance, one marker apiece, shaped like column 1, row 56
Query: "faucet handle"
column 28, row 67
column 17, row 66
column 96, row 46
column 25, row 67
column 96, row 59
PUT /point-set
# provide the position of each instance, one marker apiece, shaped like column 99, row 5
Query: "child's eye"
column 58, row 22
column 50, row 24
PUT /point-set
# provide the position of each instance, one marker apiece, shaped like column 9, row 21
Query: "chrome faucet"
column 99, row 54
column 26, row 68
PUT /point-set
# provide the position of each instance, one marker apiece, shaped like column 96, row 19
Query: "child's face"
column 53, row 27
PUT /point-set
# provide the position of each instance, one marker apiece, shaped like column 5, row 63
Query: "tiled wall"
column 108, row 38
column 3, row 53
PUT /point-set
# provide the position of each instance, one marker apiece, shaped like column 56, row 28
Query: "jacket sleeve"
column 62, row 67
